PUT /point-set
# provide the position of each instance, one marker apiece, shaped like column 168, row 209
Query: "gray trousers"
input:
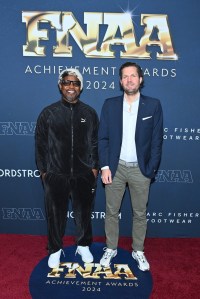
column 139, row 191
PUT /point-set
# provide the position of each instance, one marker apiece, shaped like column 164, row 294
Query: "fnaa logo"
column 17, row 128
column 174, row 176
column 155, row 27
column 23, row 214
column 93, row 271
column 122, row 279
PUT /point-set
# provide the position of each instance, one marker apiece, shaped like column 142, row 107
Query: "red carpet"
column 175, row 264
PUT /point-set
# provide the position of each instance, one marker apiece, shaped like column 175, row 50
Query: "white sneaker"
column 54, row 259
column 107, row 257
column 143, row 264
column 85, row 254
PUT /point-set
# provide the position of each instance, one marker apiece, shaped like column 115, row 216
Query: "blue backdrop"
column 41, row 38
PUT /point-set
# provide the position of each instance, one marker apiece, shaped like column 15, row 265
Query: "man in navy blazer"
column 130, row 145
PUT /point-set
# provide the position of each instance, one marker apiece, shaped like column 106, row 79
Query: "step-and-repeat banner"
column 39, row 39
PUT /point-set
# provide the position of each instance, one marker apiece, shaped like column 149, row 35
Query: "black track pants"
column 58, row 190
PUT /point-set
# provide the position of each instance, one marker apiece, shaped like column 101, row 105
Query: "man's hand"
column 95, row 172
column 43, row 175
column 106, row 176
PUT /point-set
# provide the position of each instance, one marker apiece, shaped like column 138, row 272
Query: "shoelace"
column 107, row 254
column 62, row 252
column 141, row 257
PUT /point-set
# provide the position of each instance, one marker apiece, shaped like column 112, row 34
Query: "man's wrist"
column 104, row 167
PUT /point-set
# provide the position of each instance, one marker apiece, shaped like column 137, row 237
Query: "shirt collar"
column 125, row 101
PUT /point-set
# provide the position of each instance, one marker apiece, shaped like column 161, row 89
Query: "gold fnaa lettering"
column 123, row 22
column 157, row 23
column 120, row 31
column 123, row 269
column 34, row 35
column 92, row 271
column 86, row 42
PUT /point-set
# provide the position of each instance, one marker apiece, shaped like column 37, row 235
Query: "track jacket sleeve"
column 41, row 142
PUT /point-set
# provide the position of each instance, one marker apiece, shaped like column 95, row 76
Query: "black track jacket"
column 66, row 139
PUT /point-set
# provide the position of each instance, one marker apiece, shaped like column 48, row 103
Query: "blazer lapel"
column 141, row 113
column 120, row 117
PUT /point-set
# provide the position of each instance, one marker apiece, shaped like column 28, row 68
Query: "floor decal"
column 74, row 279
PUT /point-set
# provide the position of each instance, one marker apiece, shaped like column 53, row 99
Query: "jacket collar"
column 67, row 104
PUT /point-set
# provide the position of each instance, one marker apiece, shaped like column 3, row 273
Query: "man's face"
column 130, row 81
column 70, row 90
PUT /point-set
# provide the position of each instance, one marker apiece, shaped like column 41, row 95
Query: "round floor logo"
column 73, row 278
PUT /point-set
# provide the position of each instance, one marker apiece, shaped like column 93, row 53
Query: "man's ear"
column 59, row 87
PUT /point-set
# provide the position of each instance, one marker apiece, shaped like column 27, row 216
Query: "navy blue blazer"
column 148, row 134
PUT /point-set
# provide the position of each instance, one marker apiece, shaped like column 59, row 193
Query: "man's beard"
column 131, row 91
column 71, row 98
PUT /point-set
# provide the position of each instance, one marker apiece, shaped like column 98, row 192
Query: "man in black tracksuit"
column 67, row 158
